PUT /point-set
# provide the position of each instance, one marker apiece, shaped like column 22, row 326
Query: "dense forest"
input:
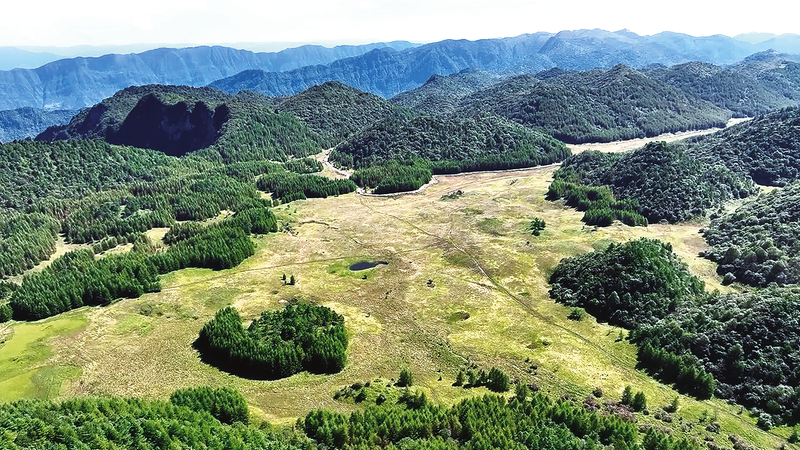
column 276, row 344
column 759, row 243
column 337, row 111
column 201, row 418
column 78, row 278
column 762, row 82
column 662, row 179
column 595, row 106
column 766, row 149
column 741, row 347
column 440, row 95
column 289, row 187
column 747, row 341
column 401, row 154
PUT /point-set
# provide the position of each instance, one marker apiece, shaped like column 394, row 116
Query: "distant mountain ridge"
column 80, row 82
column 387, row 73
column 27, row 122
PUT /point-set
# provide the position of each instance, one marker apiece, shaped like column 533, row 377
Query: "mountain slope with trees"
column 665, row 182
column 441, row 94
column 766, row 149
column 337, row 111
column 760, row 83
column 595, row 106
column 181, row 119
column 759, row 242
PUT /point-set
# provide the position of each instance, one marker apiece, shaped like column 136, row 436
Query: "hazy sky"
column 104, row 22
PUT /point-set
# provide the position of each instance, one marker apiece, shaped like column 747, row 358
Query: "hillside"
column 595, row 106
column 180, row 119
column 484, row 142
column 29, row 122
column 760, row 83
column 337, row 111
column 759, row 242
column 765, row 149
column 441, row 94
column 665, row 182
column 387, row 73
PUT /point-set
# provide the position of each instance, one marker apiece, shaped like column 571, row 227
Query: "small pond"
column 363, row 265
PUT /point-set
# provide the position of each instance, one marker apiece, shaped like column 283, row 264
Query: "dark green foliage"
column 683, row 370
column 765, row 149
column 288, row 187
column 658, row 181
column 393, row 177
column 337, row 111
column 478, row 423
column 77, row 278
column 747, row 342
column 627, row 396
column 536, row 226
column 576, row 314
column 25, row 240
column 482, row 142
column 277, row 344
column 304, row 165
column 759, row 243
column 224, row 404
column 495, row 379
column 626, row 284
column 761, row 83
column 440, row 95
column 639, row 401
column 599, row 204
column 92, row 423
column 6, row 312
column 33, row 170
column 256, row 133
column 595, row 106
column 406, row 378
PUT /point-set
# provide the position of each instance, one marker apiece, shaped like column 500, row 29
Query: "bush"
column 406, row 378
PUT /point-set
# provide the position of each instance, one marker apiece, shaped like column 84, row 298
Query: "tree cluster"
column 748, row 342
column 661, row 179
column 759, row 243
column 765, row 149
column 224, row 404
column 186, row 421
column 393, row 177
column 487, row 422
column 287, row 186
column 78, row 278
column 634, row 285
column 277, row 344
column 303, row 165
column 482, row 142
column 26, row 240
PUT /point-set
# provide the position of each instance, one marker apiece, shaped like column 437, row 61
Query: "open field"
column 465, row 284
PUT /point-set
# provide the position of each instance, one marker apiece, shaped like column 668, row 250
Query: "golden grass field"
column 471, row 254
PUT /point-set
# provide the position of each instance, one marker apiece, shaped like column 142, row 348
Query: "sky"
column 201, row 22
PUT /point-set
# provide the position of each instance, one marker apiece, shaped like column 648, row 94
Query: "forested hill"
column 441, row 94
column 759, row 242
column 387, row 73
column 487, row 142
column 663, row 180
column 595, row 106
column 337, row 111
column 760, row 83
column 766, row 149
column 28, row 122
column 181, row 119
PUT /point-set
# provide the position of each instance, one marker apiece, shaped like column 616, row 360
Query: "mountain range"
column 79, row 82
column 386, row 72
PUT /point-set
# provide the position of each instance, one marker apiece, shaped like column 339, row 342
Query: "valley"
column 474, row 248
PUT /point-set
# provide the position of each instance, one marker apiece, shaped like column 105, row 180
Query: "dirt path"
column 630, row 144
